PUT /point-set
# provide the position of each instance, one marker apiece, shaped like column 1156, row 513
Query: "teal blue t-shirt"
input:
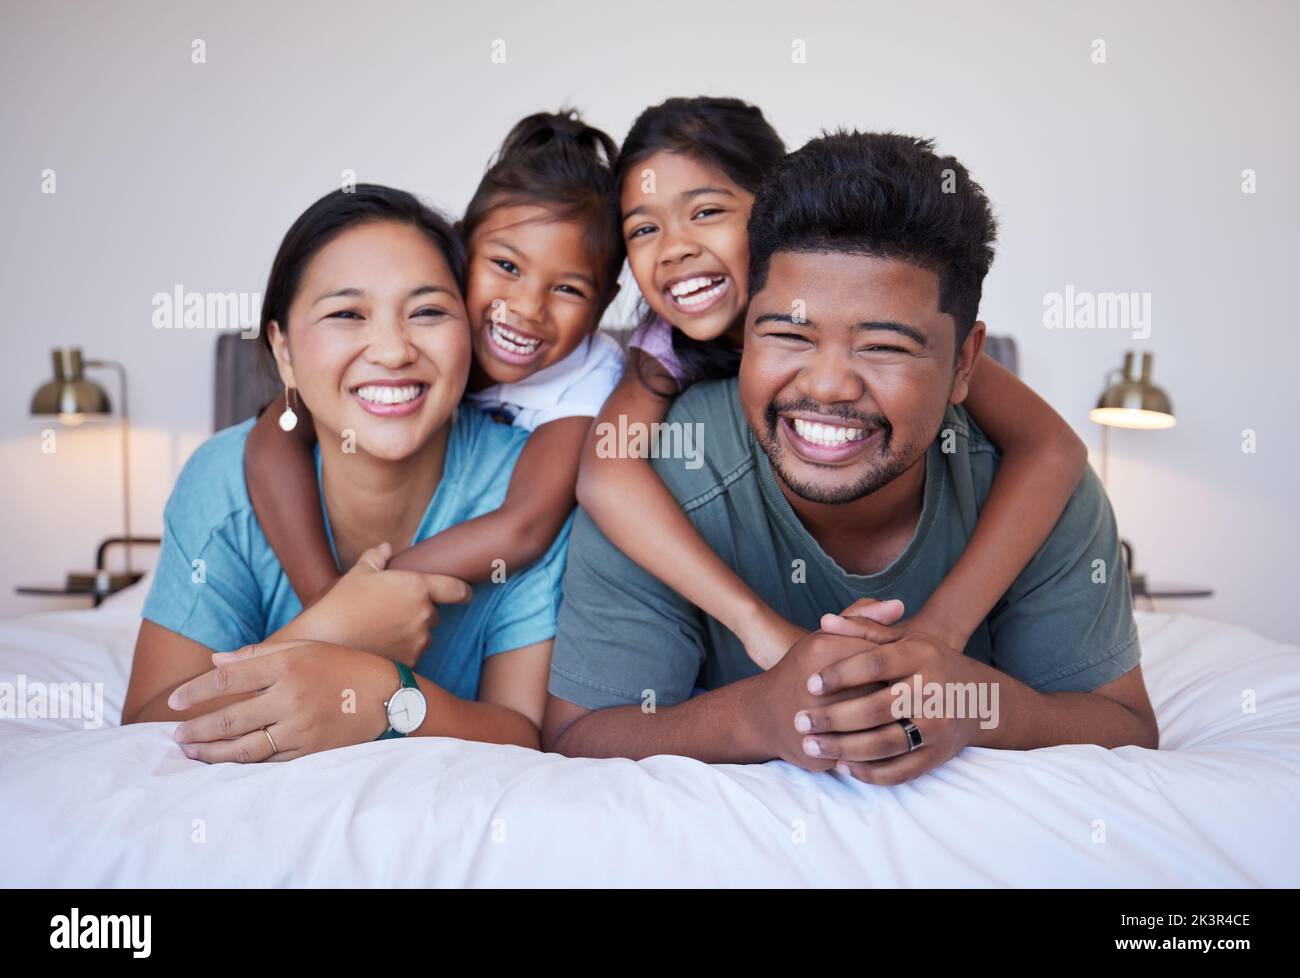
column 219, row 583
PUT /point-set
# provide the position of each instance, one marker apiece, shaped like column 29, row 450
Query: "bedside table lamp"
column 72, row 397
column 1130, row 400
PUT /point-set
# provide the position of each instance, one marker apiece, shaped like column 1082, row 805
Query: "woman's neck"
column 372, row 500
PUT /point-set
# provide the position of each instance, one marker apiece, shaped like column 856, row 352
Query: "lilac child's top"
column 655, row 338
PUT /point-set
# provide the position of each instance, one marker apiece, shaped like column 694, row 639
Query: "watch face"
column 406, row 710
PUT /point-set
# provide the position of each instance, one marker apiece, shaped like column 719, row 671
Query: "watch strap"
column 407, row 678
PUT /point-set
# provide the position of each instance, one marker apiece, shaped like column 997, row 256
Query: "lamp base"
column 101, row 582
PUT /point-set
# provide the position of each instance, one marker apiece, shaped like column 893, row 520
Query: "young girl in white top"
column 545, row 251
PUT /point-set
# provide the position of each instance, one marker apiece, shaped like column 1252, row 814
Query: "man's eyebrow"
column 911, row 332
column 782, row 317
column 352, row 292
column 684, row 195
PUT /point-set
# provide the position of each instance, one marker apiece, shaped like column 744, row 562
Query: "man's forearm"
column 1028, row 719
column 720, row 727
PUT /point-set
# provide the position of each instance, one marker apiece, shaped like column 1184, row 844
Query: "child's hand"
column 388, row 612
column 770, row 638
column 925, row 622
column 884, row 612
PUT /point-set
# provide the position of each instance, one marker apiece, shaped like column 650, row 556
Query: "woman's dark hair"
column 882, row 194
column 556, row 161
column 725, row 133
column 335, row 213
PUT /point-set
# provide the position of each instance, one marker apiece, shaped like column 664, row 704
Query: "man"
column 839, row 467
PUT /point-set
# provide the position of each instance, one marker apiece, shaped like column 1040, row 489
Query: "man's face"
column 851, row 397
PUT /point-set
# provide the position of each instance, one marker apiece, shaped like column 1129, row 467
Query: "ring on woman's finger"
column 274, row 750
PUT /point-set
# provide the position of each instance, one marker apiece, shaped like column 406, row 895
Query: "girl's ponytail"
column 542, row 129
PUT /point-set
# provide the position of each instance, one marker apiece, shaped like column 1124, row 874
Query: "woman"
column 365, row 319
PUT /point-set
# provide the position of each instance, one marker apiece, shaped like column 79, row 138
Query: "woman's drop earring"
column 289, row 420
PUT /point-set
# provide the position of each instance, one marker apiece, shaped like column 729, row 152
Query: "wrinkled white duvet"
column 1216, row 806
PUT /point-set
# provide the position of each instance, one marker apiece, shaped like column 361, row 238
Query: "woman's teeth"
column 697, row 291
column 827, row 434
column 512, row 341
column 390, row 395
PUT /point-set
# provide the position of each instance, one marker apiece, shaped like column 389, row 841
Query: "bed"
column 103, row 805
column 107, row 806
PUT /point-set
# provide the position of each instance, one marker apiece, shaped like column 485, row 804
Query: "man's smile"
column 820, row 437
column 827, row 442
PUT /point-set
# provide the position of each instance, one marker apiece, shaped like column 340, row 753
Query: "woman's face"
column 377, row 342
column 684, row 223
column 531, row 292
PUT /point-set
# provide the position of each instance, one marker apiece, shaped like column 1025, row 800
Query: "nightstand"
column 88, row 589
column 1142, row 588
column 1152, row 590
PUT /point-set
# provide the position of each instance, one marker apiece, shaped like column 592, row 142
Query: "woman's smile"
column 391, row 397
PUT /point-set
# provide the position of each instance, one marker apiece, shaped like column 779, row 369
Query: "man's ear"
column 280, row 350
column 967, row 359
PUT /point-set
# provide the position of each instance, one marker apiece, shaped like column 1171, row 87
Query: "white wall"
column 1122, row 176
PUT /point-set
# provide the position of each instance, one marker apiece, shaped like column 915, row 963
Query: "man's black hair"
column 884, row 195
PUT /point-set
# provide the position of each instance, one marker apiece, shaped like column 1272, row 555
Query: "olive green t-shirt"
column 1066, row 624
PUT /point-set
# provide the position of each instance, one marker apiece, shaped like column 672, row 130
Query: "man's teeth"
column 512, row 341
column 695, row 291
column 827, row 434
column 390, row 395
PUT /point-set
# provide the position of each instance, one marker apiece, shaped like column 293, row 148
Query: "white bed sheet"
column 1216, row 806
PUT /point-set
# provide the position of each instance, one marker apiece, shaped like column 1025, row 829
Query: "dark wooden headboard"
column 245, row 380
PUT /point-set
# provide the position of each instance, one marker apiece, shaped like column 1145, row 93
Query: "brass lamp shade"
column 1133, row 401
column 69, row 394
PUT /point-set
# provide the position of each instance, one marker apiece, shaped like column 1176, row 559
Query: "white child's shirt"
column 576, row 387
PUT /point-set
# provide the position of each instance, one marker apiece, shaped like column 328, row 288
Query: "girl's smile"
column 686, row 243
column 532, row 291
column 696, row 294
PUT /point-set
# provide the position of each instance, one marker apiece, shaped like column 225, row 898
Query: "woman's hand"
column 309, row 696
column 388, row 612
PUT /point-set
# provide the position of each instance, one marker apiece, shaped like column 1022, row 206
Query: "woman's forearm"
column 447, row 715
